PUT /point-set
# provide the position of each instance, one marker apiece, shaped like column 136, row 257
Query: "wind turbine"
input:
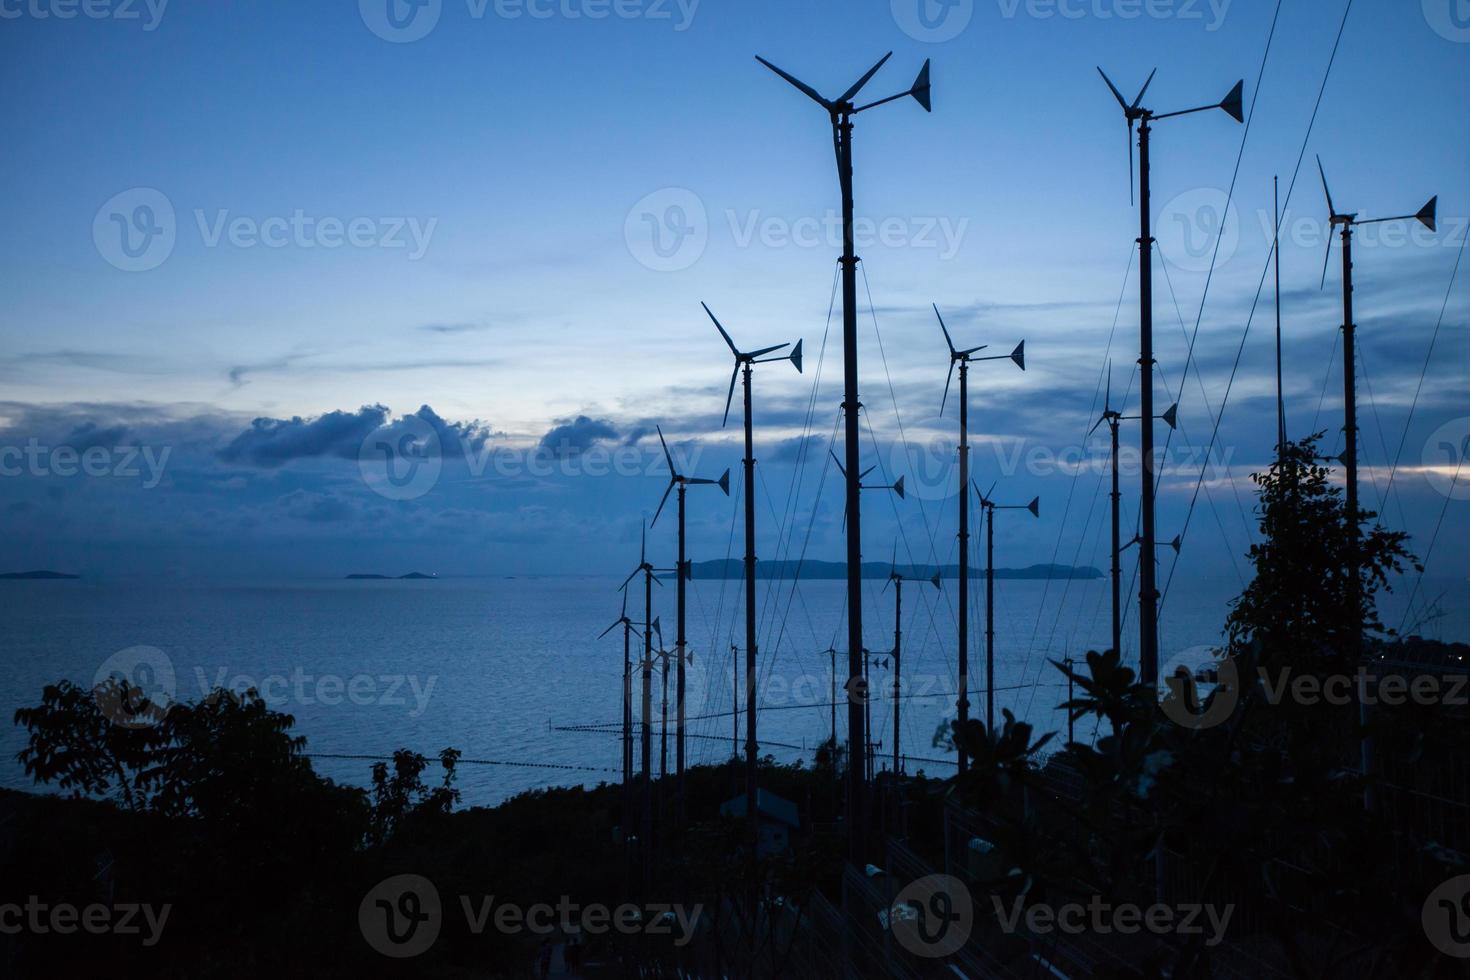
column 683, row 572
column 1426, row 217
column 1113, row 418
column 896, row 578
column 963, row 358
column 988, row 506
column 840, row 112
column 649, row 578
column 744, row 361
column 1135, row 114
column 628, row 631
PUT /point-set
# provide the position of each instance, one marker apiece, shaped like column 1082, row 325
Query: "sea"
column 515, row 672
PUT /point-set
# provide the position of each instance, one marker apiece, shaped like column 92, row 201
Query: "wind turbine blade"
column 796, row 356
column 1147, row 82
column 629, row 579
column 643, row 547
column 665, row 499
column 766, row 350
column 733, row 349
column 943, row 401
column 797, row 83
column 673, row 473
column 734, row 376
column 1326, row 257
column 947, row 338
column 840, row 467
column 922, row 91
column 858, row 85
column 1108, row 398
column 610, row 629
column 1019, row 355
column 1101, row 419
column 866, row 472
column 1114, row 89
column 1331, row 210
column 1234, row 102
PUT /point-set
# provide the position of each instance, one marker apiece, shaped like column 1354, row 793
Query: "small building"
column 779, row 819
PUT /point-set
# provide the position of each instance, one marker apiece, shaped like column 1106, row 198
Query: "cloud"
column 571, row 437
column 451, row 328
column 274, row 442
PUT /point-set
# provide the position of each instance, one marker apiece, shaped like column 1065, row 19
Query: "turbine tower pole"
column 962, row 706
column 1117, row 570
column 840, row 112
column 1148, row 595
column 751, row 812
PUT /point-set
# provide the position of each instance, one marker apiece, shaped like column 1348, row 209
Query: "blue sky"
column 366, row 227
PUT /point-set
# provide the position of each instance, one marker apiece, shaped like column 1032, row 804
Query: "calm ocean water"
column 492, row 666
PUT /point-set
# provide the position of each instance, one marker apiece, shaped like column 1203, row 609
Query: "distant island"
column 410, row 575
column 734, row 568
column 39, row 573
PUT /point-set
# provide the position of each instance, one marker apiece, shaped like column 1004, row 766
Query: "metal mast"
column 840, row 112
column 1148, row 596
column 963, row 358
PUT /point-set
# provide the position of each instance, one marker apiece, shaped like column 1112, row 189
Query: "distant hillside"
column 734, row 568
column 37, row 574
column 377, row 577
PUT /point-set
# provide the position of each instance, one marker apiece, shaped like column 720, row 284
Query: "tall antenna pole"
column 840, row 113
column 1276, row 251
column 1148, row 594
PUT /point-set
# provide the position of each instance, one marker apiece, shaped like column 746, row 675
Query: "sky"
column 257, row 248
